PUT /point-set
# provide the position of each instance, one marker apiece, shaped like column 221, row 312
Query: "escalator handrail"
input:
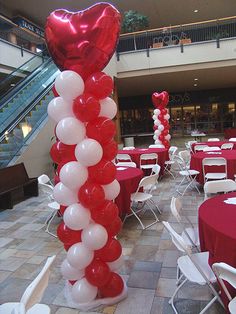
column 12, row 93
column 23, row 114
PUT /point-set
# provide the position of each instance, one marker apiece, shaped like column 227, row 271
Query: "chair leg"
column 48, row 223
column 171, row 301
column 156, row 206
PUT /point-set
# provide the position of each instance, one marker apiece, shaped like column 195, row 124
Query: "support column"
column 12, row 38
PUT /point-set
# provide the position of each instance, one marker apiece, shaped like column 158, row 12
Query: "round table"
column 229, row 155
column 215, row 143
column 135, row 155
column 129, row 179
column 217, row 231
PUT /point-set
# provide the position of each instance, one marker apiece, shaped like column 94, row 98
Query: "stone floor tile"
column 4, row 274
column 143, row 279
column 66, row 310
column 170, row 258
column 144, row 252
column 11, row 263
column 168, row 272
column 5, row 241
column 26, row 271
column 147, row 266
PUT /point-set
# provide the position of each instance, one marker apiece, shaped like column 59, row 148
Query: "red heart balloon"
column 83, row 41
column 160, row 100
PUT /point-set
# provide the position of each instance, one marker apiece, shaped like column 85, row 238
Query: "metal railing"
column 178, row 35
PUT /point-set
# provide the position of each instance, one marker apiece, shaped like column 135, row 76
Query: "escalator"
column 23, row 106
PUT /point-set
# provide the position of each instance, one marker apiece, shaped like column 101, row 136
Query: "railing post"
column 22, row 51
column 135, row 47
column 217, row 35
column 117, row 56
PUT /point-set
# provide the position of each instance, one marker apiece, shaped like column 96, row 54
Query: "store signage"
column 22, row 22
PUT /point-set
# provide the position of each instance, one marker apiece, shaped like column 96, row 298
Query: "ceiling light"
column 195, row 85
column 195, row 11
column 196, row 79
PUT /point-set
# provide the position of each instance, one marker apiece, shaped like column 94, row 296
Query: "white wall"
column 111, row 68
column 195, row 53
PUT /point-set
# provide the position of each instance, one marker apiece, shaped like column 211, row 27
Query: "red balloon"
column 68, row 236
column 72, row 282
column 83, row 41
column 103, row 172
column 62, row 209
column 100, row 85
column 110, row 150
column 62, row 153
column 164, row 111
column 155, row 127
column 55, row 154
column 101, row 129
column 106, row 213
column 91, row 195
column 86, row 107
column 165, row 132
column 161, row 137
column 110, row 252
column 114, row 227
column 97, row 273
column 166, row 143
column 165, row 123
column 114, row 286
column 55, row 93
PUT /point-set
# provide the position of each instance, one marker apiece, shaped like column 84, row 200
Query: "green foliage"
column 134, row 21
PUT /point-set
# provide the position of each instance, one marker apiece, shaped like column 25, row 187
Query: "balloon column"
column 81, row 44
column 161, row 119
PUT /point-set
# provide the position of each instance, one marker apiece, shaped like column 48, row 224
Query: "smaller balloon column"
column 86, row 187
column 161, row 119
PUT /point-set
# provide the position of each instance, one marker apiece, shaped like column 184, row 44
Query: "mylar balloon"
column 83, row 41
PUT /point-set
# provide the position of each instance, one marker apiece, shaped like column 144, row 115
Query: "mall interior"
column 189, row 50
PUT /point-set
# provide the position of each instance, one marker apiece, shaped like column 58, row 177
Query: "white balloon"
column 111, row 190
column 59, row 109
column 108, row 108
column 161, row 127
column 63, row 195
column 73, row 175
column 167, row 116
column 157, row 132
column 154, row 137
column 76, row 217
column 69, row 85
column 79, row 256
column 154, row 117
column 168, row 137
column 94, row 236
column 158, row 142
column 117, row 264
column 89, row 152
column 70, row 131
column 157, row 112
column 157, row 122
column 83, row 292
column 71, row 273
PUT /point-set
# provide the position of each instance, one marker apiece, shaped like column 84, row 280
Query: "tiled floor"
column 150, row 259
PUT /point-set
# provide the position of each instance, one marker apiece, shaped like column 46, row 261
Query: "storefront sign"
column 28, row 25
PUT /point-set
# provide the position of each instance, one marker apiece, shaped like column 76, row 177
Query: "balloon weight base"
column 96, row 303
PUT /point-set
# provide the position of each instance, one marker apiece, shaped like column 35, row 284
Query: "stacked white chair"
column 214, row 162
column 225, row 272
column 199, row 148
column 156, row 146
column 126, row 164
column 29, row 303
column 211, row 149
column 213, row 139
column 193, row 268
column 219, row 186
column 128, row 148
column 227, row 146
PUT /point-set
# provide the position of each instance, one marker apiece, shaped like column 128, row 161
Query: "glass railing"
column 31, row 67
column 10, row 110
column 178, row 35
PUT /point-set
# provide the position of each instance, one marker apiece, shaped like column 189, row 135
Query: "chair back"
column 148, row 181
column 225, row 272
column 218, row 186
column 152, row 157
column 199, row 148
column 128, row 148
column 232, row 139
column 156, row 169
column 19, row 308
column 43, row 179
column 177, row 239
column 227, row 146
column 216, row 161
column 172, row 151
column 46, row 189
column 156, row 146
column 185, row 155
column 211, row 148
column 126, row 164
column 213, row 139
column 123, row 157
column 34, row 292
column 189, row 144
column 176, row 207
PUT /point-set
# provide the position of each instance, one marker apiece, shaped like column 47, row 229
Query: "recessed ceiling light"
column 195, row 11
column 195, row 85
column 196, row 79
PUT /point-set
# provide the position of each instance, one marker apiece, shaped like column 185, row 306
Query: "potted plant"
column 134, row 22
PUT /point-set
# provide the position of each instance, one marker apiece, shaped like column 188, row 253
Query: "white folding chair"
column 219, row 186
column 44, row 179
column 122, row 157
column 189, row 144
column 188, row 176
column 186, row 156
column 226, row 272
column 128, row 148
column 32, row 295
column 193, row 268
column 190, row 234
column 126, row 164
column 227, row 146
column 232, row 139
column 156, row 146
column 211, row 149
column 216, row 162
column 213, row 139
column 199, row 148
column 171, row 161
column 53, row 205
column 144, row 198
column 151, row 158
column 155, row 170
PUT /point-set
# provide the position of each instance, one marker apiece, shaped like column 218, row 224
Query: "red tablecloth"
column 129, row 179
column 229, row 155
column 218, row 144
column 135, row 155
column 217, row 231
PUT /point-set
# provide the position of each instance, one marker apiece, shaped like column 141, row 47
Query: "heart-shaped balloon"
column 83, row 41
column 160, row 100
